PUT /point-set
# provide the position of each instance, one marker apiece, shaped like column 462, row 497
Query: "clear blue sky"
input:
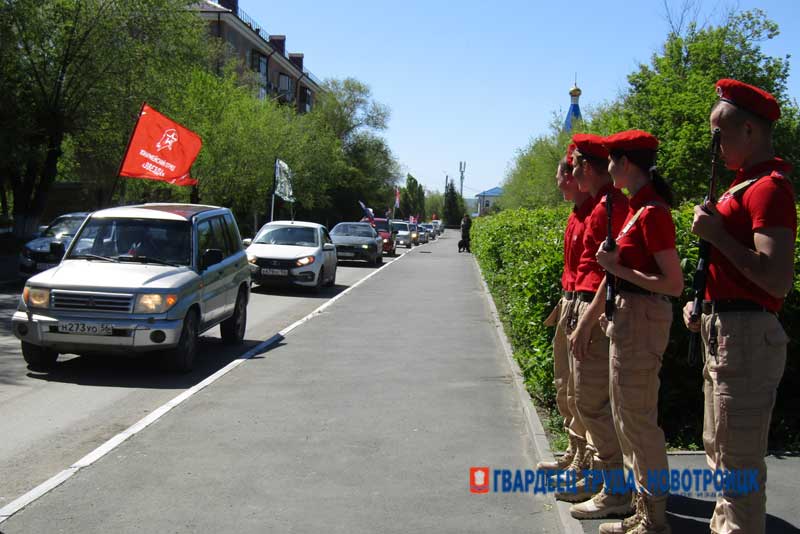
column 474, row 81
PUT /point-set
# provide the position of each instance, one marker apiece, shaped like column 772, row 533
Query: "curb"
column 569, row 525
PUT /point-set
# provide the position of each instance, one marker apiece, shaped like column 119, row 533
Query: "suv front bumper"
column 128, row 335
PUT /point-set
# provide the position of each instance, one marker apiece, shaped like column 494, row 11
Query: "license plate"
column 45, row 266
column 346, row 254
column 274, row 272
column 85, row 329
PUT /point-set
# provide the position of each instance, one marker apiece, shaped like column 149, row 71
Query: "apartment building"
column 282, row 76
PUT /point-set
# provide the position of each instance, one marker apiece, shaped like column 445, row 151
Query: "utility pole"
column 446, row 178
column 462, row 166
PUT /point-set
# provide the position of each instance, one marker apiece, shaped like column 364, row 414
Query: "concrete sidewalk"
column 365, row 419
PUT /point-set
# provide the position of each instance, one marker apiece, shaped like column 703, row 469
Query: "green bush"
column 520, row 253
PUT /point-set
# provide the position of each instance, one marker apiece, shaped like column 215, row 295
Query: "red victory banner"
column 160, row 149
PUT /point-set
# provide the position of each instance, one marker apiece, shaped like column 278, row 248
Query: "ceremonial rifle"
column 608, row 246
column 704, row 252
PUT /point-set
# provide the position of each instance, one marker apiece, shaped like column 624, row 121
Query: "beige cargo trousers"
column 740, row 385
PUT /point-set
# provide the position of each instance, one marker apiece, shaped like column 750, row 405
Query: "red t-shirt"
column 573, row 243
column 767, row 203
column 590, row 273
column 653, row 231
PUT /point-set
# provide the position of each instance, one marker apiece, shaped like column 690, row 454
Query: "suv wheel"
column 181, row 358
column 233, row 328
column 379, row 258
column 38, row 358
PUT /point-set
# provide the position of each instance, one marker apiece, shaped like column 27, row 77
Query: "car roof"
column 175, row 212
column 356, row 223
column 73, row 214
column 301, row 224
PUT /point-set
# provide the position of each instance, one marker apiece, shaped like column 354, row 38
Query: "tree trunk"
column 31, row 194
column 4, row 199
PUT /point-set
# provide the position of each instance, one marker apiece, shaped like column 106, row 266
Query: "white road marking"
column 24, row 500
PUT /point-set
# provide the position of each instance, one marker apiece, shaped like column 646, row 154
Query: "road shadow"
column 358, row 264
column 691, row 516
column 282, row 290
column 145, row 371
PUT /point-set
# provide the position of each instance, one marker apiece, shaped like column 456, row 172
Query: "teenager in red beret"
column 575, row 456
column 752, row 232
column 647, row 271
column 588, row 342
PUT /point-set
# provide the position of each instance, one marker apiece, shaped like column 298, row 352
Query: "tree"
column 348, row 107
column 453, row 206
column 434, row 204
column 70, row 60
column 672, row 96
column 531, row 179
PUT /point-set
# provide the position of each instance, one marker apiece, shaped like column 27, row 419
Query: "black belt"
column 568, row 295
column 624, row 285
column 732, row 305
column 585, row 296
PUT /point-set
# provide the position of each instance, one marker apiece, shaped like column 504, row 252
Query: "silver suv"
column 136, row 279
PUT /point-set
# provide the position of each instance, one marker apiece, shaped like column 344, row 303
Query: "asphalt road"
column 367, row 418
column 50, row 420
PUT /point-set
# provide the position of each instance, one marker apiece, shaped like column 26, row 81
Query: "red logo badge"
column 479, row 480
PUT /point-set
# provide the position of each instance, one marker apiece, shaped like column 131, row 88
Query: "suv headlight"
column 154, row 303
column 36, row 297
column 302, row 262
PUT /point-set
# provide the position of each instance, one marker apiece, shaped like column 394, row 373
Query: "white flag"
column 283, row 181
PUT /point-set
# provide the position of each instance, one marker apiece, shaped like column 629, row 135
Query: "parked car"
column 140, row 278
column 358, row 241
column 430, row 230
column 402, row 234
column 36, row 255
column 384, row 229
column 293, row 253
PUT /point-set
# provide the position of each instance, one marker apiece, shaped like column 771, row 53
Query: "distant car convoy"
column 153, row 277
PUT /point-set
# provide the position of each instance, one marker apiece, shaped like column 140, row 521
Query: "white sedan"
column 292, row 253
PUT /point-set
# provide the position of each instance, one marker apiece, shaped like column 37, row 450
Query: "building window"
column 286, row 87
column 258, row 62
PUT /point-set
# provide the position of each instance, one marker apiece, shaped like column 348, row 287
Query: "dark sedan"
column 357, row 241
column 36, row 255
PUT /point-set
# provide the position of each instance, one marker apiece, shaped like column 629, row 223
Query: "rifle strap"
column 733, row 191
column 636, row 216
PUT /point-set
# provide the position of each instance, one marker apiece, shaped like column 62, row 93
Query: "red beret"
column 590, row 145
column 630, row 140
column 750, row 98
column 570, row 150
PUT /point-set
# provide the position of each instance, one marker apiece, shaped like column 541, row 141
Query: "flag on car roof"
column 160, row 149
column 367, row 212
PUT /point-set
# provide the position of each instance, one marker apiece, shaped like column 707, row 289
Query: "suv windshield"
column 400, row 227
column 356, row 230
column 298, row 236
column 62, row 226
column 145, row 240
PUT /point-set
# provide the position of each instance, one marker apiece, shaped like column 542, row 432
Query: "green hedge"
column 520, row 254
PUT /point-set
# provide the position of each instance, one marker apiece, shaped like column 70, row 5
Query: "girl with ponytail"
column 647, row 270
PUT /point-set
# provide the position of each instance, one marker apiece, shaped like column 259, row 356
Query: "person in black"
column 466, row 225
